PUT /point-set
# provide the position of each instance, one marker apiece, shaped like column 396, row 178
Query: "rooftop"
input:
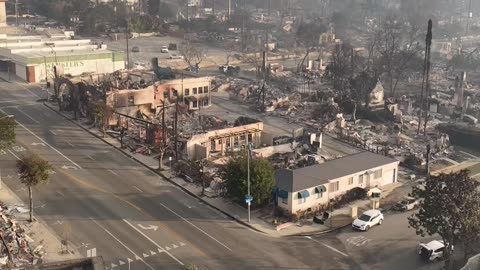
column 319, row 174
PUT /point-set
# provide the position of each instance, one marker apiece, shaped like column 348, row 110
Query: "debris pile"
column 19, row 244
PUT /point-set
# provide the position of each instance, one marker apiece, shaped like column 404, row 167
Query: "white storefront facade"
column 33, row 58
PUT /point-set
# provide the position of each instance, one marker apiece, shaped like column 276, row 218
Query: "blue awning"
column 320, row 189
column 283, row 194
column 303, row 194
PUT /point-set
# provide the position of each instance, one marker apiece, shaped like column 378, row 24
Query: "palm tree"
column 33, row 171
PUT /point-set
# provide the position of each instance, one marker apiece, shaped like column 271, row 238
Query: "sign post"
column 248, row 198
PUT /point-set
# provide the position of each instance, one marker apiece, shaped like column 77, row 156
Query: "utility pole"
column 16, row 11
column 469, row 17
column 428, row 40
column 244, row 11
column 427, row 77
column 229, row 10
column 427, row 165
column 127, row 34
column 175, row 126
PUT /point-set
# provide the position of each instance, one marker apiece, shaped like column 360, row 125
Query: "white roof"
column 371, row 212
column 434, row 245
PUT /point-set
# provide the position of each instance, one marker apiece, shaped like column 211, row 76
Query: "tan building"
column 193, row 91
column 3, row 13
column 312, row 186
column 224, row 140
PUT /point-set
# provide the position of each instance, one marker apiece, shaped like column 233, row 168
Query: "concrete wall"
column 344, row 185
column 78, row 67
column 120, row 98
column 266, row 152
column 227, row 139
column 267, row 138
column 21, row 71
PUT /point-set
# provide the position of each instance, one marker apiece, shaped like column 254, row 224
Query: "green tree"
column 33, row 171
column 449, row 206
column 7, row 131
column 234, row 173
column 191, row 267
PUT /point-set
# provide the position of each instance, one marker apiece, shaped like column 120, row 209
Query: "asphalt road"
column 109, row 205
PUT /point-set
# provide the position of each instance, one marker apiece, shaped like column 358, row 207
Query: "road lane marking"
column 90, row 157
column 70, row 144
column 121, row 243
column 153, row 242
column 13, row 154
column 468, row 154
column 53, row 132
column 24, row 113
column 55, row 149
column 135, row 187
column 113, row 172
column 327, row 246
column 196, row 227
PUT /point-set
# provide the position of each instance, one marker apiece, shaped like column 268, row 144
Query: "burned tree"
column 308, row 35
column 340, row 70
column 192, row 55
column 396, row 48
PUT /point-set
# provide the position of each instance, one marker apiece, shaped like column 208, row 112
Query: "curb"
column 319, row 232
column 156, row 172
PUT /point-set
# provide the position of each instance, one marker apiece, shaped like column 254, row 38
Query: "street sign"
column 248, row 199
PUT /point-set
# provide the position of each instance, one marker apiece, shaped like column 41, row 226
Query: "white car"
column 432, row 251
column 175, row 56
column 164, row 49
column 367, row 220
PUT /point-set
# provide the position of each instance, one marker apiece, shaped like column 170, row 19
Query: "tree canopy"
column 234, row 173
column 7, row 131
column 450, row 207
column 33, row 171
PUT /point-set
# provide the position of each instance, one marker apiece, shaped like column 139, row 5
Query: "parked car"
column 432, row 251
column 368, row 219
column 164, row 49
column 407, row 204
column 175, row 56
column 229, row 69
column 135, row 49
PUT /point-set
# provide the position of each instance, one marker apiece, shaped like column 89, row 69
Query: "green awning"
column 303, row 194
column 283, row 194
column 320, row 189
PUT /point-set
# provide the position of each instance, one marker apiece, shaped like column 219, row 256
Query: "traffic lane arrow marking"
column 35, row 144
column 150, row 227
column 68, row 167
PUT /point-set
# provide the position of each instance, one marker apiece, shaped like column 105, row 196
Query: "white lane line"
column 135, row 187
column 14, row 154
column 153, row 242
column 125, row 246
column 196, row 227
column 24, row 113
column 55, row 149
column 327, row 246
column 113, row 172
column 468, row 154
column 19, row 105
column 28, row 90
column 90, row 157
column 11, row 101
column 53, row 132
column 70, row 144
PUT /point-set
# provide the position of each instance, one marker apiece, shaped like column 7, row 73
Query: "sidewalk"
column 259, row 222
column 41, row 240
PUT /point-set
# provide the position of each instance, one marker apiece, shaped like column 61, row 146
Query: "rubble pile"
column 19, row 243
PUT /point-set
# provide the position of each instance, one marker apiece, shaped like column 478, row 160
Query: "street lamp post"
column 249, row 148
column 203, row 181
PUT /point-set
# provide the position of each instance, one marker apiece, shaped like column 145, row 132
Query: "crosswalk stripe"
column 121, row 263
column 145, row 255
column 153, row 253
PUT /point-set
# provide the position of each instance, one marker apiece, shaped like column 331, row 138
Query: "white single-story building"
column 32, row 58
column 308, row 187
